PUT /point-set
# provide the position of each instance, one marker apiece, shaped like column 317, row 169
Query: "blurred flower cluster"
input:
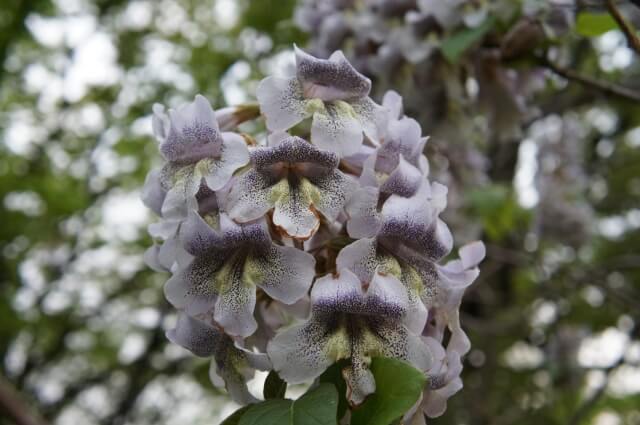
column 319, row 243
column 467, row 69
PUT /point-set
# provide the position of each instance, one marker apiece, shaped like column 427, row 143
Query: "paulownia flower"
column 454, row 277
column 167, row 251
column 398, row 165
column 407, row 239
column 333, row 93
column 230, row 260
column 349, row 323
column 231, row 365
column 443, row 381
column 298, row 180
column 196, row 149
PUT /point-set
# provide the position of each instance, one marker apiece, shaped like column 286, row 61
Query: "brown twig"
column 605, row 87
column 627, row 29
column 16, row 409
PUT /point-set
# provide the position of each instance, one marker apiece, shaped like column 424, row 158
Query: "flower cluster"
column 321, row 242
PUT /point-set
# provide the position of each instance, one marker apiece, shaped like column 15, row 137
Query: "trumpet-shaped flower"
column 407, row 239
column 231, row 365
column 349, row 323
column 299, row 181
column 443, row 381
column 398, row 165
column 330, row 91
column 167, row 251
column 230, row 261
column 195, row 149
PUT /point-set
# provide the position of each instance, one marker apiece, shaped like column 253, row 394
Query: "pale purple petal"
column 233, row 155
column 364, row 219
column 281, row 102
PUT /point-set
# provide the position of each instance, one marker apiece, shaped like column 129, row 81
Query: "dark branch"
column 627, row 29
column 605, row 87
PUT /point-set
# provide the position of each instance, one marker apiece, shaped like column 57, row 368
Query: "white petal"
column 334, row 189
column 152, row 192
column 160, row 122
column 285, row 273
column 472, row 254
column 393, row 102
column 371, row 116
column 298, row 354
column 337, row 129
column 151, row 259
column 368, row 176
column 364, row 220
column 249, row 197
column 335, row 291
column 360, row 258
column 234, row 307
column 281, row 102
column 233, row 156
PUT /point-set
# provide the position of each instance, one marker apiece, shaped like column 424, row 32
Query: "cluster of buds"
column 316, row 241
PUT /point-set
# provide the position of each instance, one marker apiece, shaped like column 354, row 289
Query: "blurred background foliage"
column 552, row 319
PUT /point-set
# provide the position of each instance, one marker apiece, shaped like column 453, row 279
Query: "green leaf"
column 316, row 407
column 274, row 386
column 334, row 376
column 498, row 209
column 234, row 418
column 270, row 412
column 594, row 24
column 398, row 387
column 453, row 47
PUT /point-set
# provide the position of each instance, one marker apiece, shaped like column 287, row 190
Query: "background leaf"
column 594, row 24
column 453, row 47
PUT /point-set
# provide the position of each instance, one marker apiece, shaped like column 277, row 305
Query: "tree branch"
column 12, row 404
column 605, row 87
column 627, row 29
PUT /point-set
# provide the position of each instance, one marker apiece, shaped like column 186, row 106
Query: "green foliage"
column 398, row 387
column 274, row 17
column 497, row 208
column 593, row 24
column 316, row 407
column 333, row 375
column 456, row 45
column 234, row 418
